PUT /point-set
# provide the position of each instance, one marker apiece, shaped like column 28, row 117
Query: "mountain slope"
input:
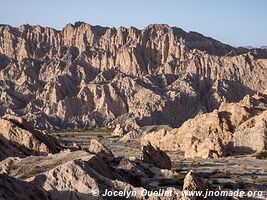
column 87, row 76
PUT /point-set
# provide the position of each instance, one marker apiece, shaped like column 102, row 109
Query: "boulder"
column 99, row 149
column 193, row 182
column 12, row 188
column 155, row 156
column 18, row 138
column 251, row 135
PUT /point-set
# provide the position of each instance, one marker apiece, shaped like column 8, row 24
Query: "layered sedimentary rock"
column 81, row 175
column 193, row 182
column 156, row 157
column 86, row 76
column 18, row 138
column 252, row 134
column 99, row 149
column 234, row 127
column 12, row 188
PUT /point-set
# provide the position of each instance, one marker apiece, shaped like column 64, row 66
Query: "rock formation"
column 252, row 134
column 56, row 173
column 206, row 99
column 231, row 128
column 18, row 138
column 12, row 188
column 78, row 174
column 99, row 149
column 194, row 183
column 156, row 157
column 87, row 76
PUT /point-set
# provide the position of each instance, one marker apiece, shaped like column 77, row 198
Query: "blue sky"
column 236, row 22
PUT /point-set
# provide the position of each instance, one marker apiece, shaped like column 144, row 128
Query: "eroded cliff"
column 87, row 76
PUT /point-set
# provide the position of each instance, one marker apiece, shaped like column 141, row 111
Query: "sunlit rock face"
column 19, row 139
column 235, row 128
column 88, row 76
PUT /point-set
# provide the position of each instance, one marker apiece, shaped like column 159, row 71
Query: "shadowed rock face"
column 156, row 157
column 194, row 183
column 86, row 76
column 18, row 138
column 12, row 188
column 78, row 174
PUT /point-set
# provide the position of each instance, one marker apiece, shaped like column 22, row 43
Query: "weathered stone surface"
column 155, row 156
column 252, row 134
column 77, row 174
column 87, row 76
column 18, row 138
column 203, row 136
column 99, row 149
column 12, row 188
column 118, row 131
column 193, row 183
column 65, row 174
column 211, row 135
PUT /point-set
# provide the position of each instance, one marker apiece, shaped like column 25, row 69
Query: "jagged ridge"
column 86, row 76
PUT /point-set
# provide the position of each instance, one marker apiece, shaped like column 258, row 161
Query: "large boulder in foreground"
column 251, row 136
column 12, row 188
column 193, row 182
column 156, row 157
column 18, row 138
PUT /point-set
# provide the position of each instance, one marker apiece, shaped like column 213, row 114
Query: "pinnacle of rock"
column 85, row 76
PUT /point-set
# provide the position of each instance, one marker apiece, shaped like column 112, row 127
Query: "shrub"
column 262, row 155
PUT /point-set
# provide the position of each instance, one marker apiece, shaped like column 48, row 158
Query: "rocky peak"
column 116, row 72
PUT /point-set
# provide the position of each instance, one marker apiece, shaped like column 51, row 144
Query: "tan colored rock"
column 19, row 139
column 99, row 149
column 193, row 182
column 66, row 174
column 206, row 148
column 211, row 135
column 252, row 135
column 131, row 135
column 88, row 76
column 79, row 174
column 131, row 167
column 155, row 156
column 203, row 136
column 118, row 131
column 235, row 113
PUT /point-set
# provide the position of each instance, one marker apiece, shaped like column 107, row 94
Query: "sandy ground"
column 238, row 172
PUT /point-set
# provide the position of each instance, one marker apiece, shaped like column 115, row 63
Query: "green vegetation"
column 98, row 132
column 262, row 155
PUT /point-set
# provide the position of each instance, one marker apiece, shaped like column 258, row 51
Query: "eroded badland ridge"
column 159, row 88
column 88, row 76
